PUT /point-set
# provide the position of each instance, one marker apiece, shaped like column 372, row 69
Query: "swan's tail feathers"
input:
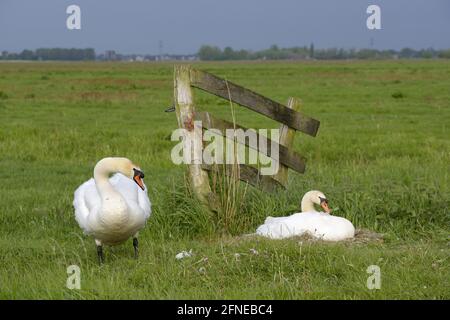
column 268, row 219
column 264, row 230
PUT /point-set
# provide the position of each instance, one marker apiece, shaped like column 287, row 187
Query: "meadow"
column 382, row 156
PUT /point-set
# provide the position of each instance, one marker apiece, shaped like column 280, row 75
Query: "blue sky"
column 137, row 26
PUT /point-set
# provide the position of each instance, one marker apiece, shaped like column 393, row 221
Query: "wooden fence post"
column 184, row 104
column 287, row 139
column 291, row 120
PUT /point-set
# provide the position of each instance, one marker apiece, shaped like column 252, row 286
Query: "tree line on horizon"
column 43, row 54
column 214, row 53
column 208, row 52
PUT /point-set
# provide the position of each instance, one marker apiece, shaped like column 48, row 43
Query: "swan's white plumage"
column 89, row 210
column 319, row 225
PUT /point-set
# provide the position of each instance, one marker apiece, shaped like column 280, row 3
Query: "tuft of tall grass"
column 231, row 196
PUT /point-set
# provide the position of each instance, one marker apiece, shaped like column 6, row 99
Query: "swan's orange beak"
column 324, row 205
column 138, row 176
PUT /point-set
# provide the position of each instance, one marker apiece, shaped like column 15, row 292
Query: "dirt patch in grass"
column 123, row 83
column 102, row 96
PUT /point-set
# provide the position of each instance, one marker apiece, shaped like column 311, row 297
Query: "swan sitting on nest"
column 319, row 225
column 113, row 209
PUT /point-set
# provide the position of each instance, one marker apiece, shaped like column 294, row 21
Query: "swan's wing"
column 133, row 195
column 324, row 226
column 336, row 228
column 276, row 227
column 318, row 224
column 86, row 199
column 285, row 227
column 125, row 186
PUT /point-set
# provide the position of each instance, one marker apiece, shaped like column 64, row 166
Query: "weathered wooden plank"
column 286, row 157
column 287, row 139
column 254, row 101
column 184, row 105
column 248, row 174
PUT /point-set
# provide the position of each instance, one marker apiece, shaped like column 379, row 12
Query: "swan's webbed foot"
column 100, row 254
column 136, row 247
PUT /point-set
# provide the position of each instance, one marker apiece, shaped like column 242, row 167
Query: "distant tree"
column 209, row 53
column 242, row 55
column 445, row 54
column 228, row 53
column 366, row 54
column 407, row 53
column 65, row 54
column 27, row 55
column 427, row 53
column 89, row 54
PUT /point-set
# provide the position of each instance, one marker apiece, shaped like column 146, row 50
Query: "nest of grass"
column 361, row 236
column 366, row 236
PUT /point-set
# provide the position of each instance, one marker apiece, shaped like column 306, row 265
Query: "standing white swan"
column 113, row 209
column 317, row 224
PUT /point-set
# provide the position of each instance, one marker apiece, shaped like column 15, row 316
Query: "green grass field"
column 382, row 156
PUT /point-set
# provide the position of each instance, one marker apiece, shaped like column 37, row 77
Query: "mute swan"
column 113, row 209
column 317, row 224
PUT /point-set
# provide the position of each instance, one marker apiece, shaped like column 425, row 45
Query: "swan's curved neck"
column 102, row 170
column 307, row 204
column 113, row 211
